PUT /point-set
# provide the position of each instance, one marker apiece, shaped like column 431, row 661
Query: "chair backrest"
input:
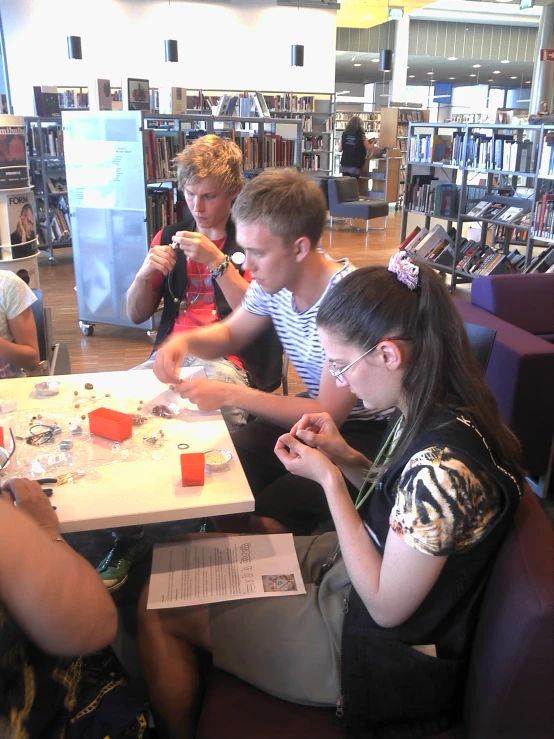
column 347, row 189
column 511, row 670
column 482, row 340
column 38, row 313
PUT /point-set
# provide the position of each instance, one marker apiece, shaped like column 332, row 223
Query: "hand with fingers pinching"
column 303, row 460
column 199, row 248
column 29, row 497
column 318, row 430
column 160, row 258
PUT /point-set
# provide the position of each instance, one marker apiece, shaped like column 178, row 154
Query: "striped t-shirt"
column 297, row 331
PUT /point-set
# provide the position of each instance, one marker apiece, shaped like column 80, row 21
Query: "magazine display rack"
column 493, row 185
column 18, row 239
column 122, row 190
column 45, row 147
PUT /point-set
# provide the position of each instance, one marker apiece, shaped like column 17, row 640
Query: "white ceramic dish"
column 47, row 388
column 217, row 459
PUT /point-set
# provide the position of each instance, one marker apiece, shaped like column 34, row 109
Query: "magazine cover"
column 14, row 172
column 21, row 218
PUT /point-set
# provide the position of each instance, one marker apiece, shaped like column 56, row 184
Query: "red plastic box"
column 111, row 424
column 1, row 436
column 192, row 469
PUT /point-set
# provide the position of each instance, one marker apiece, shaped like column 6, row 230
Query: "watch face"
column 238, row 258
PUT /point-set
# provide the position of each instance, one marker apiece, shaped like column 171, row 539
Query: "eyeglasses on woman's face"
column 338, row 374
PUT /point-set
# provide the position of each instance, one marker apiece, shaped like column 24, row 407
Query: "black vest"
column 389, row 690
column 263, row 359
column 353, row 150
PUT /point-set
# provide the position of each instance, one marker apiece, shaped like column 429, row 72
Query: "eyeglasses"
column 338, row 374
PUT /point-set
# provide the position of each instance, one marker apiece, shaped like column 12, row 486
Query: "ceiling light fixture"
column 514, row 78
column 171, row 46
column 451, row 78
column 74, row 49
column 375, row 60
column 411, row 76
column 297, row 55
column 357, row 64
column 452, row 58
column 504, row 61
column 430, row 72
column 385, row 60
column 476, row 66
column 473, row 75
column 496, row 71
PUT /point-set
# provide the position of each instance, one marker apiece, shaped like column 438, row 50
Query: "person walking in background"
column 354, row 147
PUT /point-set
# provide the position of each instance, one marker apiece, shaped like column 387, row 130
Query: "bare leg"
column 168, row 640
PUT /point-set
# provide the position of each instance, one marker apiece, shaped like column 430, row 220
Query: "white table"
column 145, row 490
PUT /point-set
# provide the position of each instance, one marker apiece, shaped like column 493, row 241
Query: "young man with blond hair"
column 280, row 216
column 196, row 266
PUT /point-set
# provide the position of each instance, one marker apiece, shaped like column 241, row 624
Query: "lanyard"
column 364, row 493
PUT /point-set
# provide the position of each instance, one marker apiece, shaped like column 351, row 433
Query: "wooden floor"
column 117, row 348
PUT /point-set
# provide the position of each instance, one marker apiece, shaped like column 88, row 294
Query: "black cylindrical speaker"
column 74, row 49
column 297, row 55
column 385, row 60
column 171, row 50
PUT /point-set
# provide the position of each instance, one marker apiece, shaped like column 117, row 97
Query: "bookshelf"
column 394, row 133
column 45, row 146
column 73, row 98
column 492, row 187
column 314, row 110
column 122, row 191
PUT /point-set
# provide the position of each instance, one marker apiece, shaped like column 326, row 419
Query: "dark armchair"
column 345, row 202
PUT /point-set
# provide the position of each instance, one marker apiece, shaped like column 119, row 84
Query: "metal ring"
column 183, row 446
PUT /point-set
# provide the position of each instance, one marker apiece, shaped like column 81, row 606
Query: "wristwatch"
column 223, row 267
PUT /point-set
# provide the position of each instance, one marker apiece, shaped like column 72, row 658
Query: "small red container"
column 111, row 424
column 1, row 436
column 192, row 469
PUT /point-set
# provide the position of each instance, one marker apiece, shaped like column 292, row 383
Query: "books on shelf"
column 546, row 166
column 478, row 209
column 543, row 218
column 511, row 215
column 427, row 196
column 47, row 102
column 172, row 100
column 52, row 140
column 419, row 234
column 441, row 148
column 160, row 209
column 161, row 148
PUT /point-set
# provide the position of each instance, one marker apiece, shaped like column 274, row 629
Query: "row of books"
column 160, row 207
column 314, row 143
column 431, row 198
column 473, row 258
column 290, row 103
column 543, row 217
column 52, row 140
column 498, row 151
column 60, row 227
column 498, row 212
column 161, row 149
column 312, row 162
column 73, row 99
column 546, row 167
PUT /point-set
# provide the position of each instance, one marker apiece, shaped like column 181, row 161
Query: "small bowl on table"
column 47, row 388
column 217, row 460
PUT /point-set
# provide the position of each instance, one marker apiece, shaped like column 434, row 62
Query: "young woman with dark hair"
column 354, row 147
column 385, row 627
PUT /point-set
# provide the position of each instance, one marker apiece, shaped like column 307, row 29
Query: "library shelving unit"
column 314, row 110
column 394, row 133
column 73, row 98
column 463, row 173
column 122, row 190
column 45, row 146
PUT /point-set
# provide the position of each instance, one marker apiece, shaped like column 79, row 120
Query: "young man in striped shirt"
column 280, row 216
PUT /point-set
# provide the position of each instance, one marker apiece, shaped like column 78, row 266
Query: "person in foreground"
column 280, row 217
column 53, row 607
column 385, row 627
column 18, row 331
column 191, row 265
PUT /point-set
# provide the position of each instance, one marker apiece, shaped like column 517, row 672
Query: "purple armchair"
column 521, row 368
column 511, row 669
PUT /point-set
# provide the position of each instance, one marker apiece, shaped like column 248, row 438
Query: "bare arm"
column 393, row 585
column 142, row 298
column 23, row 351
column 54, row 595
